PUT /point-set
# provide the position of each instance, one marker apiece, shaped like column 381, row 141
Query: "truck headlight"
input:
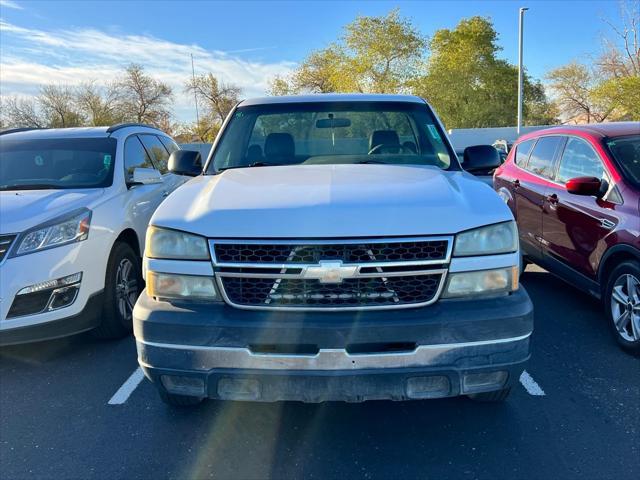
column 181, row 287
column 172, row 244
column 481, row 282
column 70, row 228
column 490, row 240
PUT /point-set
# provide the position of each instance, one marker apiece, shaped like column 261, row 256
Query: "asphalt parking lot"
column 575, row 415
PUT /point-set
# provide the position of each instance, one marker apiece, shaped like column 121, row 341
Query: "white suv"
column 333, row 249
column 74, row 208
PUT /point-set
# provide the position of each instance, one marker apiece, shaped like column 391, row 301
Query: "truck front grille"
column 5, row 244
column 331, row 275
column 355, row 292
column 365, row 252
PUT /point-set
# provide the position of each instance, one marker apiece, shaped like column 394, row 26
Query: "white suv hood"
column 325, row 201
column 21, row 210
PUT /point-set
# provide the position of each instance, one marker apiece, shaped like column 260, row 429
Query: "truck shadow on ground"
column 379, row 438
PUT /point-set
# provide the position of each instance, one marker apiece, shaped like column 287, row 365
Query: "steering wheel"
column 388, row 146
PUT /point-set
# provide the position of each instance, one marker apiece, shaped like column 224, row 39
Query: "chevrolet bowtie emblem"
column 330, row 271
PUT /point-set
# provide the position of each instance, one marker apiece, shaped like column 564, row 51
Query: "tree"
column 279, row 86
column 383, row 52
column 22, row 112
column 144, row 99
column 610, row 88
column 59, row 106
column 621, row 48
column 374, row 54
column 100, row 105
column 470, row 87
column 217, row 100
column 574, row 85
column 623, row 94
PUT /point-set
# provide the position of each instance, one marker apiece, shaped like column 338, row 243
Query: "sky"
column 248, row 42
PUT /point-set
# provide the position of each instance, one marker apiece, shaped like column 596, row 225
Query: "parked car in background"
column 333, row 249
column 574, row 192
column 74, row 208
column 503, row 147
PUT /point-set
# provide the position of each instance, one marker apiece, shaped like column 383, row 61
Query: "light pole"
column 520, row 67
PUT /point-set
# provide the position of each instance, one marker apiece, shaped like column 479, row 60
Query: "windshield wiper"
column 28, row 186
column 373, row 161
column 254, row 164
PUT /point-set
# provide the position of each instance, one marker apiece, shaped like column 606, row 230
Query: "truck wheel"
column 496, row 396
column 123, row 284
column 622, row 305
column 178, row 400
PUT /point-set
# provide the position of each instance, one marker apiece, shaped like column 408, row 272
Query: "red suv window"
column 522, row 152
column 542, row 160
column 579, row 160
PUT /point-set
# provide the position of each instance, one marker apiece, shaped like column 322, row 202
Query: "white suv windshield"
column 56, row 163
column 331, row 133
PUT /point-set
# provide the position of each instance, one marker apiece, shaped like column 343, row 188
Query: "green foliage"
column 462, row 78
column 470, row 87
column 623, row 94
column 375, row 54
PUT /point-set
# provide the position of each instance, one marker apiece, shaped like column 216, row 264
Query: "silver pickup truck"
column 332, row 248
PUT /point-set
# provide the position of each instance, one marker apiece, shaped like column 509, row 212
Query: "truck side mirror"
column 481, row 158
column 185, row 162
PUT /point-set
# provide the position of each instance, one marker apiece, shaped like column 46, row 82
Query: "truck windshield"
column 332, row 133
column 56, row 163
column 626, row 152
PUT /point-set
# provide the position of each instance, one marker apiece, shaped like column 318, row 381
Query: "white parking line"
column 127, row 388
column 530, row 385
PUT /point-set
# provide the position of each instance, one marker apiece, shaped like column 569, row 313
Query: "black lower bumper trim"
column 87, row 319
column 324, row 386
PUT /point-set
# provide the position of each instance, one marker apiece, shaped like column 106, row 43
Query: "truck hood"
column 327, row 201
column 21, row 210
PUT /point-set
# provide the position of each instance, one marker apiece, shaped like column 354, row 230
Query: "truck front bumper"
column 450, row 348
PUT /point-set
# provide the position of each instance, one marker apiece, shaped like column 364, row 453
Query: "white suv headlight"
column 489, row 240
column 175, row 245
column 70, row 228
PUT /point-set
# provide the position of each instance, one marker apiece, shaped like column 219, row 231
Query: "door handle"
column 553, row 198
column 608, row 224
column 165, row 194
column 516, row 183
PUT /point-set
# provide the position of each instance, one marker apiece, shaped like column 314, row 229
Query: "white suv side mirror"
column 146, row 176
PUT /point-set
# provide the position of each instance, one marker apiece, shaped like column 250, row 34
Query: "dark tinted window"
column 541, row 161
column 155, row 148
column 579, row 160
column 626, row 152
column 169, row 144
column 135, row 156
column 56, row 163
column 522, row 152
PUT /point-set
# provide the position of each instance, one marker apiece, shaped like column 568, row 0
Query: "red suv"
column 575, row 193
